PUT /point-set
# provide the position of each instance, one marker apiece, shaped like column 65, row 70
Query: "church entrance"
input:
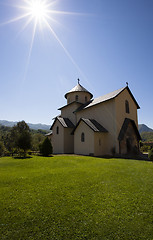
column 129, row 145
column 129, row 138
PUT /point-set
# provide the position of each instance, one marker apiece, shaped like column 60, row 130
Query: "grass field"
column 76, row 197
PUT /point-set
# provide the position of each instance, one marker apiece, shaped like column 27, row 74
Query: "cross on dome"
column 78, row 88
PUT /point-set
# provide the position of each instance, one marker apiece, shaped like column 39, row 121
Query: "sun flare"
column 41, row 14
column 38, row 9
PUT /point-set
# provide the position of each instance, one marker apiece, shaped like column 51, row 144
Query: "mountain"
column 146, row 133
column 31, row 125
column 7, row 123
column 39, row 126
column 141, row 127
column 144, row 128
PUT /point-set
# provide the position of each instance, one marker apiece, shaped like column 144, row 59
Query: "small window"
column 86, row 99
column 57, row 130
column 127, row 107
column 76, row 98
column 82, row 137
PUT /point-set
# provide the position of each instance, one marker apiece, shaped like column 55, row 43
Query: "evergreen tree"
column 150, row 155
column 2, row 149
column 46, row 147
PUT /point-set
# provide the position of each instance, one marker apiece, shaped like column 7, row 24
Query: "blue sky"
column 106, row 44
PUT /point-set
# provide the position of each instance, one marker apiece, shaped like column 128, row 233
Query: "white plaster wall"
column 67, row 112
column 81, row 97
column 87, row 147
column 101, row 143
column 58, row 139
column 68, row 141
column 104, row 113
column 121, row 112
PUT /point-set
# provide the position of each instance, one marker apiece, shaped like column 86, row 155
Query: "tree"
column 2, row 149
column 150, row 155
column 37, row 138
column 21, row 137
column 5, row 137
column 46, row 147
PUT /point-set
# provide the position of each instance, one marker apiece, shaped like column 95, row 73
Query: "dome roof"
column 78, row 88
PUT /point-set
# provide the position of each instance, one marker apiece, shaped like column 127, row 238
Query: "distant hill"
column 147, row 136
column 144, row 128
column 31, row 125
column 146, row 133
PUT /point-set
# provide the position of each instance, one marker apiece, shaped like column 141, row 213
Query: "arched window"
column 127, row 110
column 76, row 98
column 86, row 99
column 82, row 137
column 57, row 130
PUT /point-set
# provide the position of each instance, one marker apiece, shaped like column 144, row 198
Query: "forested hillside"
column 31, row 125
column 144, row 128
column 147, row 136
column 146, row 133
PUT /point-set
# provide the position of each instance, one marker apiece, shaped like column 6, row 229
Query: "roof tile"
column 65, row 122
column 78, row 88
column 105, row 98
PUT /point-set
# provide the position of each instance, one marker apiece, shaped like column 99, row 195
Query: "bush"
column 150, row 155
column 46, row 147
column 144, row 148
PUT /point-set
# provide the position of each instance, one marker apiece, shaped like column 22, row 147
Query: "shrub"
column 150, row 155
column 46, row 147
column 144, row 148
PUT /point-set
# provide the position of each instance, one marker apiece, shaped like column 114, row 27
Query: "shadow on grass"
column 45, row 156
column 19, row 157
column 28, row 157
column 140, row 157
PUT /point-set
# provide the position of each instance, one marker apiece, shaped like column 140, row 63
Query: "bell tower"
column 78, row 94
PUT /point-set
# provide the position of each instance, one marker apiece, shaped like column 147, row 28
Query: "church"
column 106, row 125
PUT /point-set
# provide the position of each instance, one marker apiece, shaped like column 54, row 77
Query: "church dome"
column 78, row 89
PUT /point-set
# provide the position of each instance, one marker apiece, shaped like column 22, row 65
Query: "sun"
column 38, row 9
column 40, row 14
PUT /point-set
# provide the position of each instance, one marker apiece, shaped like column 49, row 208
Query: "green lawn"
column 76, row 197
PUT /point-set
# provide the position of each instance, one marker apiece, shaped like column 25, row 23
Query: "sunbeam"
column 65, row 50
column 30, row 51
column 40, row 13
column 16, row 19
